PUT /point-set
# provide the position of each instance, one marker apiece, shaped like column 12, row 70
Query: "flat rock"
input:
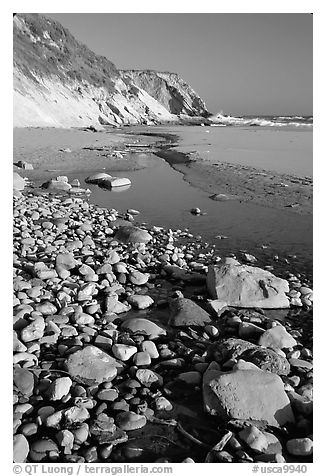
column 247, row 395
column 185, row 312
column 91, row 366
column 277, row 337
column 132, row 234
column 247, row 286
column 145, row 327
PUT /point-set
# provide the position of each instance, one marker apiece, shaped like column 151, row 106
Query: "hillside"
column 60, row 82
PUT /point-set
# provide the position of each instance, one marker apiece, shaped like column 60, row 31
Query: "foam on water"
column 262, row 121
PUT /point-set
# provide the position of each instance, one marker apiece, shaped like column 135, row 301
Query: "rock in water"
column 247, row 286
column 184, row 312
column 91, row 366
column 132, row 234
column 130, row 421
column 143, row 326
column 247, row 395
column 107, row 181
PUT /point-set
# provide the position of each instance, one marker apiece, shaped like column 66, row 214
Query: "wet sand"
column 212, row 159
column 272, row 167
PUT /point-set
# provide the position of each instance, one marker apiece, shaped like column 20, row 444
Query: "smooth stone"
column 129, row 421
column 123, row 352
column 113, row 306
column 138, row 278
column 184, row 312
column 33, row 331
column 65, row 261
column 91, row 366
column 163, row 404
column 23, row 381
column 20, row 449
column 65, row 438
column 59, row 388
column 150, row 347
column 254, row 438
column 76, row 415
column 148, row 377
column 132, row 234
column 141, row 359
column 300, row 446
column 246, row 395
column 137, row 325
column 42, row 449
column 140, row 301
column 107, row 395
column 247, row 286
column 277, row 337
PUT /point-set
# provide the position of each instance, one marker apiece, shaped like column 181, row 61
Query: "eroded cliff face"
column 59, row 82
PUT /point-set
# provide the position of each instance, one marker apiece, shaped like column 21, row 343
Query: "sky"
column 239, row 63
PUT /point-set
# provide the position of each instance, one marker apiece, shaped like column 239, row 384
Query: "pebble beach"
column 140, row 343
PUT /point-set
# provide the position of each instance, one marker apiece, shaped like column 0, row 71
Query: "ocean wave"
column 270, row 121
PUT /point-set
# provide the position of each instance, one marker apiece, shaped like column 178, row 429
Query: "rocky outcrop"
column 59, row 82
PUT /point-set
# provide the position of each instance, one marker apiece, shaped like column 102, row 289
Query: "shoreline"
column 84, row 292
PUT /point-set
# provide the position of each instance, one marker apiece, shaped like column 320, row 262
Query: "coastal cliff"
column 59, row 82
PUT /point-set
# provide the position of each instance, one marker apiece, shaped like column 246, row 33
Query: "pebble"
column 300, row 446
column 140, row 301
column 123, row 352
column 150, row 347
column 141, row 359
column 59, row 388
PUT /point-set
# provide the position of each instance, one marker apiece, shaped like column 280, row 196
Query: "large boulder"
column 247, row 395
column 132, row 234
column 184, row 312
column 247, row 286
column 91, row 366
